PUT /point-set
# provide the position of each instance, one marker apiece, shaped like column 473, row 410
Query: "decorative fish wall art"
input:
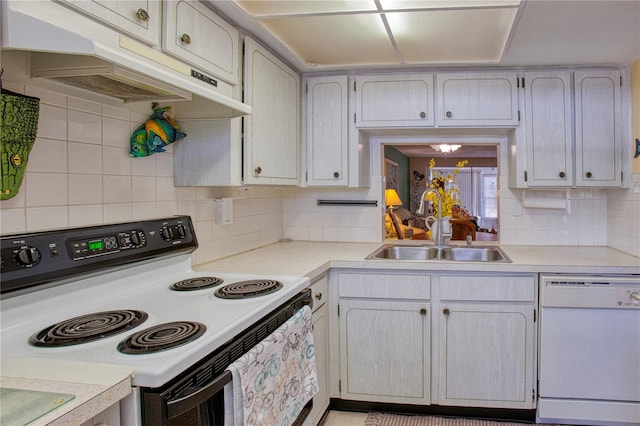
column 155, row 133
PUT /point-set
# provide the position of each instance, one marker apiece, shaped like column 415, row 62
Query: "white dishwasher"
column 589, row 366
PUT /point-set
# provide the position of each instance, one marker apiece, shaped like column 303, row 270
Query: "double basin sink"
column 444, row 253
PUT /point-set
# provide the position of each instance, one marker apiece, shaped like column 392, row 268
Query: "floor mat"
column 385, row 419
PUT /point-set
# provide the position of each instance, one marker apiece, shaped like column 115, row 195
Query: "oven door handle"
column 180, row 405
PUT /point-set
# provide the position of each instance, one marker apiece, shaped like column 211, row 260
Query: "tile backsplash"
column 80, row 173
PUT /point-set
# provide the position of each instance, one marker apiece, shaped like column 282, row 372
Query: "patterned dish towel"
column 276, row 378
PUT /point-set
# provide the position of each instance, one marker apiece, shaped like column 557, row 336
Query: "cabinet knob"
column 588, row 175
column 561, row 174
column 318, row 296
column 423, row 114
column 423, row 312
column 449, row 114
column 186, row 39
column 446, row 311
column 257, row 170
column 142, row 15
column 336, row 174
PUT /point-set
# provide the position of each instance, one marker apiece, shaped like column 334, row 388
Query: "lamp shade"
column 392, row 198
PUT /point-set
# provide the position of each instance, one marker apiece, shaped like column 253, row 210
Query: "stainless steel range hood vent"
column 111, row 64
column 96, row 75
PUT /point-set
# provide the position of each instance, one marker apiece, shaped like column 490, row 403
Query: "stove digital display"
column 95, row 245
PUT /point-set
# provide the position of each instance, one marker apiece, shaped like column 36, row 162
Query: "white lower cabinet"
column 108, row 417
column 486, row 341
column 438, row 338
column 384, row 338
column 320, row 319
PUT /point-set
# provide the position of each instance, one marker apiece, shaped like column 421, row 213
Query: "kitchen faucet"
column 439, row 237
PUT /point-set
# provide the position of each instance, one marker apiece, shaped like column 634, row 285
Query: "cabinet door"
column 385, row 351
column 194, row 33
column 486, row 355
column 321, row 344
column 598, row 128
column 394, row 100
column 138, row 18
column 477, row 99
column 327, row 131
column 272, row 131
column 549, row 129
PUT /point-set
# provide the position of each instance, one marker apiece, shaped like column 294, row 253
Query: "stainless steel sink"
column 405, row 253
column 433, row 253
column 473, row 254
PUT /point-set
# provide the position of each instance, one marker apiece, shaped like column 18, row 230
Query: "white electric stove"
column 125, row 294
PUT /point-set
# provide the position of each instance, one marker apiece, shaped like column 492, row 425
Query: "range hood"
column 123, row 68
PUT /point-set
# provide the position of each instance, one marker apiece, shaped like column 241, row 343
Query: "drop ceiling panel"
column 452, row 36
column 432, row 4
column 279, row 7
column 336, row 40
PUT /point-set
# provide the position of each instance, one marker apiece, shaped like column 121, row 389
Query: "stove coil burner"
column 246, row 289
column 162, row 337
column 87, row 328
column 196, row 283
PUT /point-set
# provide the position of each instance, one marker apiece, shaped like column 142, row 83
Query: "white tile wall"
column 79, row 173
column 623, row 218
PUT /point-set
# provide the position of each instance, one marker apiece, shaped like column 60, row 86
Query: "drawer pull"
column 318, row 296
column 446, row 311
column 449, row 114
column 423, row 114
column 186, row 39
column 257, row 170
column 142, row 15
column 423, row 312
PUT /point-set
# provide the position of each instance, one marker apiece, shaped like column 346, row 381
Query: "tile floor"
column 344, row 418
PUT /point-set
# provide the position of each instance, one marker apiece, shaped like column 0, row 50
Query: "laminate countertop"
column 92, row 387
column 311, row 259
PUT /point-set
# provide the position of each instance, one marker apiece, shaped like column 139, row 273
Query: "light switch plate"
column 223, row 211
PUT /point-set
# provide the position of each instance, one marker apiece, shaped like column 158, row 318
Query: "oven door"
column 187, row 403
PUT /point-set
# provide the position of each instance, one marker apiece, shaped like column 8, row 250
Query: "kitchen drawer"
column 387, row 286
column 319, row 292
column 476, row 288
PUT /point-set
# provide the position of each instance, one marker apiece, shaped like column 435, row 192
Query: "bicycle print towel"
column 276, row 378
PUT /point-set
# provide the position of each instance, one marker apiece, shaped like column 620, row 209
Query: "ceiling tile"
column 436, row 4
column 447, row 36
column 337, row 40
column 279, row 7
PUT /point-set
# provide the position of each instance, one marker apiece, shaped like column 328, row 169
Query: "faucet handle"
column 469, row 240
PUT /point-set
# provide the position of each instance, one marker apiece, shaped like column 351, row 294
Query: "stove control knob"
column 28, row 256
column 135, row 238
column 635, row 297
column 168, row 233
column 182, row 232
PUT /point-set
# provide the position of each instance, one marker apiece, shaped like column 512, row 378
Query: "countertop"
column 311, row 259
column 95, row 387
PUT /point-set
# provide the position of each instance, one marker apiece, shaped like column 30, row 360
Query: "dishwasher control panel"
column 629, row 297
column 595, row 291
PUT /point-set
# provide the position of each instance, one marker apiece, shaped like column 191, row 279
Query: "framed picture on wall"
column 391, row 174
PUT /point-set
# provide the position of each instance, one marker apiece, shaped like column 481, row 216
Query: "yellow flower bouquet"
column 444, row 185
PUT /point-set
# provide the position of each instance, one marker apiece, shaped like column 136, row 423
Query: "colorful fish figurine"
column 155, row 133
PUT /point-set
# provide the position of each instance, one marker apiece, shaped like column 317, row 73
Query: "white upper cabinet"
column 548, row 128
column 197, row 35
column 138, row 18
column 572, row 130
column 398, row 100
column 598, row 128
column 327, row 131
column 477, row 99
column 272, row 131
